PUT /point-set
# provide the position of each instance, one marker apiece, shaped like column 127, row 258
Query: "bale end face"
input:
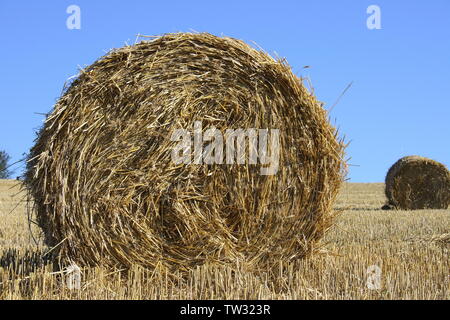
column 106, row 189
column 415, row 182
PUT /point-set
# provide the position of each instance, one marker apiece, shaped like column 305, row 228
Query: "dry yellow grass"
column 410, row 247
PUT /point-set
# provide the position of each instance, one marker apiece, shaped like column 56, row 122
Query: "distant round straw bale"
column 415, row 182
column 107, row 191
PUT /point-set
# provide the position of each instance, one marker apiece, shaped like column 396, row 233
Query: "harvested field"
column 411, row 248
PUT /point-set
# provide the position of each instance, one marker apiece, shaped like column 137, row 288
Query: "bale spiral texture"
column 106, row 191
column 415, row 182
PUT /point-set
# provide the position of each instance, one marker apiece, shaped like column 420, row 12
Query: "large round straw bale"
column 415, row 182
column 107, row 191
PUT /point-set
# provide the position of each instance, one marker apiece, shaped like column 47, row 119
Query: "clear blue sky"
column 399, row 103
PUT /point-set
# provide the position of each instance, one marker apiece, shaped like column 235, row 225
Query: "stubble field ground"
column 368, row 254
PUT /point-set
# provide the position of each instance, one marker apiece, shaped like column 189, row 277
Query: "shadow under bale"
column 23, row 262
